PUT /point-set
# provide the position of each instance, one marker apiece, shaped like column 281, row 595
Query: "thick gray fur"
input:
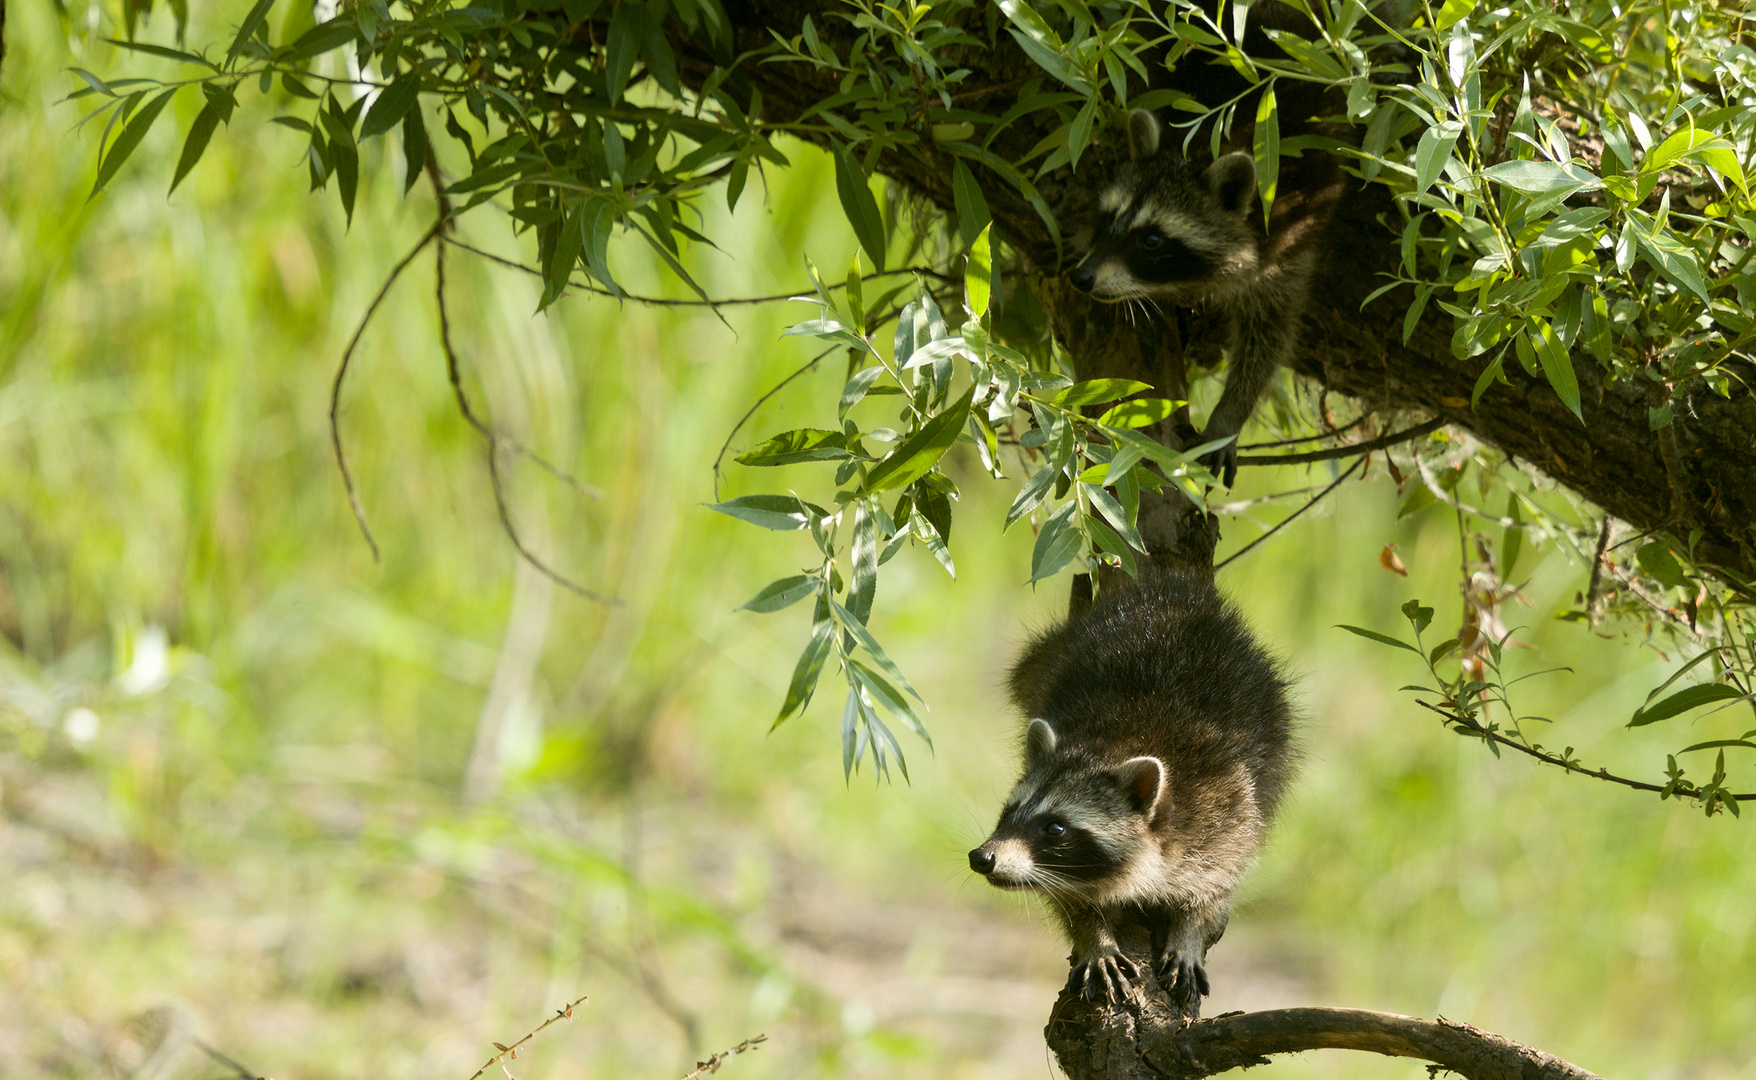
column 1209, row 222
column 1158, row 748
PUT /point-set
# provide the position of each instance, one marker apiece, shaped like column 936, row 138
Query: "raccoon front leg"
column 1180, row 938
column 1100, row 971
column 1265, row 325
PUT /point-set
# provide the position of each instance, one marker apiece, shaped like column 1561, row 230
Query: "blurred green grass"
column 263, row 842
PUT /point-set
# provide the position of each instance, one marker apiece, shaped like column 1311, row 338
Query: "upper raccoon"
column 1159, row 745
column 1168, row 230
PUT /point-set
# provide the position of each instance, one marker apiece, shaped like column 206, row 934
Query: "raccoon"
column 1158, row 749
column 1168, row 230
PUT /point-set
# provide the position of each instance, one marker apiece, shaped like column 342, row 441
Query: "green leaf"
column 248, row 27
column 1098, row 391
column 1057, row 544
column 859, row 206
column 915, row 457
column 1419, row 615
column 978, row 275
column 809, row 667
column 801, row 444
column 562, row 258
column 781, row 513
column 1541, row 177
column 1267, row 150
column 1140, row 412
column 1557, row 365
column 864, row 552
column 391, row 105
column 783, row 593
column 1433, row 153
column 199, row 133
column 870, row 644
column 1032, row 493
column 886, row 695
column 1683, row 700
column 132, row 132
column 414, row 148
column 1384, row 639
column 1511, row 538
column 621, row 45
column 1658, row 562
column 1452, row 12
column 855, row 388
column 972, row 208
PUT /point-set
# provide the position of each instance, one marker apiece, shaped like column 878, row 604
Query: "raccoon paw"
column 1104, row 977
column 1223, row 463
column 1184, row 980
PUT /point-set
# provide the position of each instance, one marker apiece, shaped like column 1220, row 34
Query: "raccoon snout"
column 1083, row 277
column 981, row 860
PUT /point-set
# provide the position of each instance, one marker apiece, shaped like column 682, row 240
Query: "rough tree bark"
column 1701, row 477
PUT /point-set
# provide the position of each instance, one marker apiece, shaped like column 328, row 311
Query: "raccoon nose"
column 1082, row 278
column 981, row 861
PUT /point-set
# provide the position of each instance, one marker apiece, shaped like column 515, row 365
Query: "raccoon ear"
column 1232, row 178
column 1141, row 780
column 1039, row 741
column 1143, row 132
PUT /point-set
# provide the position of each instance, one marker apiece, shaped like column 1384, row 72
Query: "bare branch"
column 1284, row 522
column 341, row 374
column 712, row 1064
column 508, row 1052
column 1350, row 450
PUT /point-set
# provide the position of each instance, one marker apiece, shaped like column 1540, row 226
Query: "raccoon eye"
column 1054, row 828
column 1152, row 241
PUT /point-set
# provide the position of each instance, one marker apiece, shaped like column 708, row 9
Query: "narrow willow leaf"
column 1057, row 544
column 1433, row 153
column 855, row 389
column 562, row 258
column 809, row 667
column 865, row 559
column 621, row 46
column 781, row 513
column 1384, row 639
column 1557, row 366
column 928, row 533
column 414, row 148
column 873, row 649
column 132, row 132
column 248, row 27
column 781, row 594
column 1682, row 701
column 978, row 275
column 1658, row 562
column 914, row 458
column 199, row 133
column 880, row 690
column 859, row 206
column 1098, row 391
column 1267, row 150
column 801, row 444
column 1112, row 510
column 972, row 208
column 391, row 105
column 1140, row 412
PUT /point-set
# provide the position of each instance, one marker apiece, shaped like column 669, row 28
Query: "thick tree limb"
column 1148, row 1040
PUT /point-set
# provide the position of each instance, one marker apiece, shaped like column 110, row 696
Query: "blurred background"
column 235, row 751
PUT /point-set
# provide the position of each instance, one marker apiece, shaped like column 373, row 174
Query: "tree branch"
column 1175, row 1050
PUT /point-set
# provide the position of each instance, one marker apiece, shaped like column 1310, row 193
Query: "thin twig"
column 1320, row 436
column 1350, row 450
column 512, row 1051
column 493, row 439
column 660, row 301
column 1284, row 522
column 243, row 1072
column 1597, row 570
column 341, row 374
column 1477, row 728
column 712, row 1064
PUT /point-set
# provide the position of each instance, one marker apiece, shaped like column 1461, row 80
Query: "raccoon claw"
column 1105, row 978
column 1223, row 463
column 1184, row 980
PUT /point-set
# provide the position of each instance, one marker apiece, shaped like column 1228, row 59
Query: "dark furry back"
column 1163, row 666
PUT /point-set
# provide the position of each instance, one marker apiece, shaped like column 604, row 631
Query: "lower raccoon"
column 1158, row 749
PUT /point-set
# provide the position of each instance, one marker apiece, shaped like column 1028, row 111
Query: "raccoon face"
column 1167, row 230
column 1071, row 826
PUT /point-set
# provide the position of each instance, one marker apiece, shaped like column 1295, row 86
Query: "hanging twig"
column 1319, row 437
column 243, row 1072
column 1284, row 522
column 341, row 374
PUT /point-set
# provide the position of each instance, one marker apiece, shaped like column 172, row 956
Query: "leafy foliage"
column 1573, row 183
